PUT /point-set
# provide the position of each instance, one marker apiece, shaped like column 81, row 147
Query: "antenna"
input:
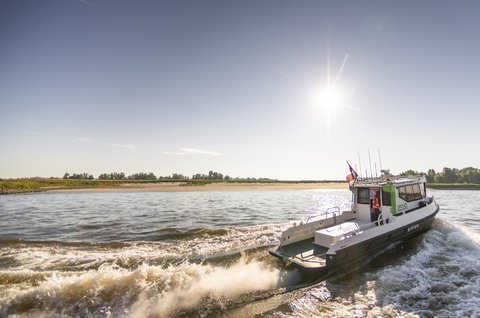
column 370, row 161
column 359, row 162
column 380, row 160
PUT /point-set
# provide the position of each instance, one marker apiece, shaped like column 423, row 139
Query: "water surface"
column 205, row 253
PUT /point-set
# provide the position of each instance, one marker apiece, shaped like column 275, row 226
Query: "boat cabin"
column 374, row 203
column 379, row 215
column 396, row 197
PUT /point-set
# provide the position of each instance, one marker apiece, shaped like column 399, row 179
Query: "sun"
column 328, row 100
column 328, row 97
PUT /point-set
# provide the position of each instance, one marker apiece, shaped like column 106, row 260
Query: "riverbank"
column 42, row 185
column 13, row 186
column 177, row 186
column 25, row 186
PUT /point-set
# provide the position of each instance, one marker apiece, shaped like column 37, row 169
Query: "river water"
column 205, row 254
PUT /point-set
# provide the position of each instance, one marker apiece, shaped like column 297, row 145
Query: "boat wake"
column 442, row 278
column 146, row 291
column 207, row 271
column 435, row 274
column 199, row 245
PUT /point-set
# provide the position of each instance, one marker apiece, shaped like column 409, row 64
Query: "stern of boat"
column 304, row 255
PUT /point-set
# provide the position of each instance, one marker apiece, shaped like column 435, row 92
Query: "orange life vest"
column 376, row 203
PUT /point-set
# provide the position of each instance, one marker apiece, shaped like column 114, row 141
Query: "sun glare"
column 328, row 97
column 328, row 100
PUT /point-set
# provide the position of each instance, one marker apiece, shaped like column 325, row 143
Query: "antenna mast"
column 380, row 160
column 370, row 161
column 359, row 162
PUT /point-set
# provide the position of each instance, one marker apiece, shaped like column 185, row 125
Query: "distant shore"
column 25, row 186
column 178, row 186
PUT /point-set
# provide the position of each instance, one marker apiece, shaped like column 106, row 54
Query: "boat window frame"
column 386, row 198
column 359, row 195
column 411, row 192
column 402, row 193
column 417, row 192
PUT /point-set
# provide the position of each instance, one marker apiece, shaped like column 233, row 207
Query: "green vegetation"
column 112, row 176
column 114, row 179
column 79, row 176
column 38, row 184
column 450, row 176
column 142, row 176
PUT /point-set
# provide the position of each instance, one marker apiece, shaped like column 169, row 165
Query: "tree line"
column 211, row 176
column 78, row 176
column 449, row 175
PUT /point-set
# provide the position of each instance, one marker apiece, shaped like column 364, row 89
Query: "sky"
column 279, row 89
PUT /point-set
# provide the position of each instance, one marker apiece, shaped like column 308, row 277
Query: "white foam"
column 187, row 288
column 147, row 290
column 85, row 257
column 442, row 277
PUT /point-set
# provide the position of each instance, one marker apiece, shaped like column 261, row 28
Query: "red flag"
column 352, row 177
column 353, row 173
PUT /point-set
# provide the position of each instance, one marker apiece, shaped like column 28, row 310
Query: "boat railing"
column 350, row 234
column 385, row 178
column 335, row 210
column 366, row 226
column 355, row 232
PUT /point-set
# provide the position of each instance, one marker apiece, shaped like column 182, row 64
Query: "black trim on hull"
column 364, row 249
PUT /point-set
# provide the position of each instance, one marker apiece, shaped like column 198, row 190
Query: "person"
column 376, row 206
column 376, row 202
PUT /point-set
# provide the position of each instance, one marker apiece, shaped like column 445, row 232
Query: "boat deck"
column 304, row 253
column 311, row 253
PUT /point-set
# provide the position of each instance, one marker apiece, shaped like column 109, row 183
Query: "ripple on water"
column 196, row 254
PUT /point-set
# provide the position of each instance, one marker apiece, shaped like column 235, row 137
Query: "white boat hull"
column 307, row 255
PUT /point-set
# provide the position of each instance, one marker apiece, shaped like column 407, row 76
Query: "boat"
column 342, row 238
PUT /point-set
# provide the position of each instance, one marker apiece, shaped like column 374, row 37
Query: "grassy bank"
column 256, row 181
column 37, row 185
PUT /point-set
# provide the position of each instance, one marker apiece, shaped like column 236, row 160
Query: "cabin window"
column 386, row 198
column 363, row 196
column 422, row 190
column 402, row 193
column 416, row 192
column 411, row 192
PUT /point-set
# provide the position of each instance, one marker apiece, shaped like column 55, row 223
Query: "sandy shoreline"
column 176, row 186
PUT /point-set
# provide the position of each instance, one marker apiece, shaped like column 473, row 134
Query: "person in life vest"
column 376, row 205
column 376, row 202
